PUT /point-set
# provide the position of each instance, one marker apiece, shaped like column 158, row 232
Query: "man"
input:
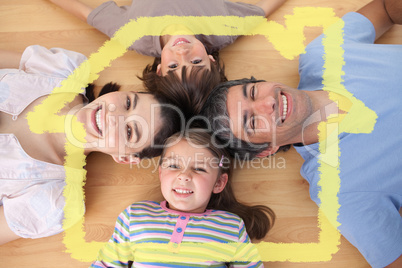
column 257, row 118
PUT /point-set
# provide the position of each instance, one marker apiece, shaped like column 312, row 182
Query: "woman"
column 33, row 164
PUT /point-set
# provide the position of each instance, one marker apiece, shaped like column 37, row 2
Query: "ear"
column 159, row 70
column 124, row 159
column 269, row 151
column 220, row 183
column 135, row 160
column 211, row 58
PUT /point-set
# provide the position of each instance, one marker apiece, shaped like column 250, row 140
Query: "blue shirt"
column 370, row 164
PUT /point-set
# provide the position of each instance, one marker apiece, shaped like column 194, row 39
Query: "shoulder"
column 56, row 62
column 355, row 27
column 356, row 22
column 243, row 9
column 145, row 206
column 225, row 217
column 104, row 9
column 141, row 209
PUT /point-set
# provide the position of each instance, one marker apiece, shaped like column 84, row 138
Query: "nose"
column 182, row 51
column 184, row 176
column 115, row 114
column 113, row 109
column 265, row 105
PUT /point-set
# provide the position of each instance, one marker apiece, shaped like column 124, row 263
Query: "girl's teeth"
column 98, row 119
column 285, row 107
column 181, row 42
column 180, row 191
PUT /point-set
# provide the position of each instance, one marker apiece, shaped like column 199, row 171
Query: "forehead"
column 236, row 93
column 187, row 149
column 234, row 99
column 145, row 96
column 241, row 91
column 236, row 102
column 147, row 108
column 147, row 104
column 206, row 64
column 199, row 68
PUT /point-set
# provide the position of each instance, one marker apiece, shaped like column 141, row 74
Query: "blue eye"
column 173, row 66
column 196, row 61
column 200, row 169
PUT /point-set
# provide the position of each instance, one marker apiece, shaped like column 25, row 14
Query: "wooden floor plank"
column 111, row 187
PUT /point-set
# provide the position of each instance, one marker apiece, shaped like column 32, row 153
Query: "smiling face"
column 182, row 51
column 268, row 112
column 189, row 176
column 120, row 124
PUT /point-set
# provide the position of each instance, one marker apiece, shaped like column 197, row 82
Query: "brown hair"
column 107, row 88
column 188, row 92
column 258, row 219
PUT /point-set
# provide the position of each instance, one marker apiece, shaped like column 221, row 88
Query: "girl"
column 32, row 165
column 200, row 207
column 177, row 55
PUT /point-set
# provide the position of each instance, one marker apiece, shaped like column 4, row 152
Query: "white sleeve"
column 55, row 62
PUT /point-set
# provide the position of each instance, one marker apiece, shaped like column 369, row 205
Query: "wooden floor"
column 111, row 187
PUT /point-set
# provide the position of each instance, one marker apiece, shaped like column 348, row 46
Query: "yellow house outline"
column 289, row 41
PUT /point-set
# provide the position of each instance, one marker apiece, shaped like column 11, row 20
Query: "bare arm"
column 376, row 12
column 269, row 6
column 9, row 59
column 394, row 10
column 6, row 235
column 397, row 263
column 74, row 7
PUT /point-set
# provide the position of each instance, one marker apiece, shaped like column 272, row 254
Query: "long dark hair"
column 258, row 219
